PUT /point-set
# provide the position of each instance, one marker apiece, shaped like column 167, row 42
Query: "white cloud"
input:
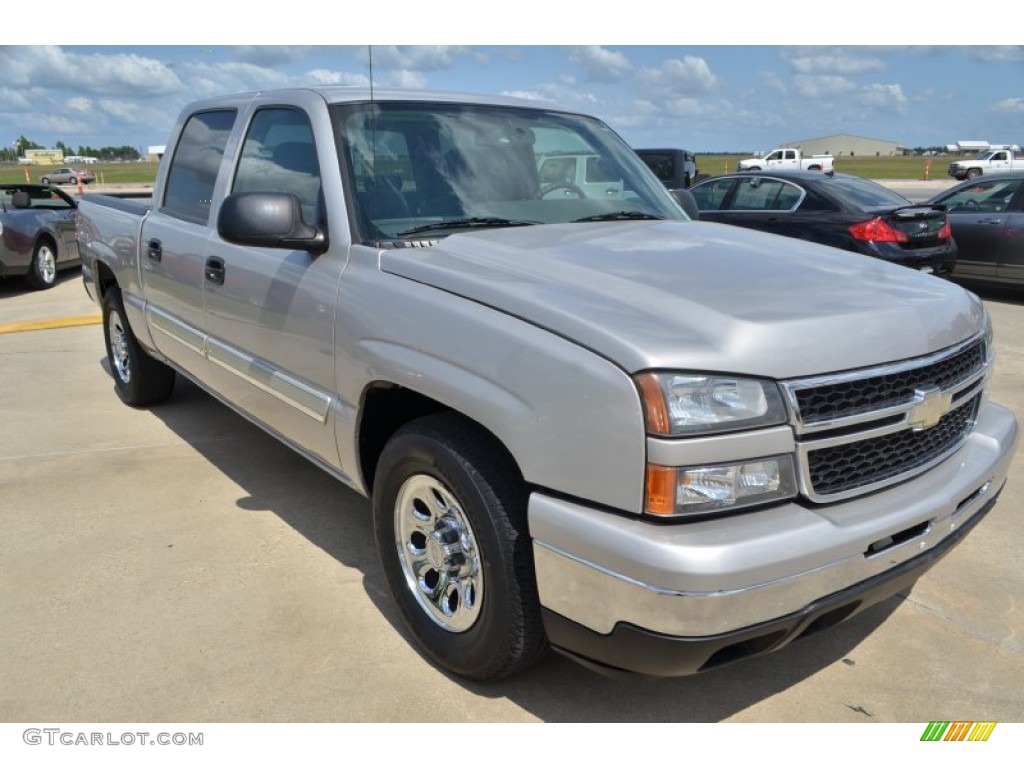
column 329, row 77
column 530, row 95
column 79, row 104
column 835, row 64
column 687, row 76
column 424, row 58
column 269, row 55
column 822, row 86
column 404, row 78
column 884, row 96
column 99, row 73
column 600, row 64
column 1007, row 53
column 1013, row 106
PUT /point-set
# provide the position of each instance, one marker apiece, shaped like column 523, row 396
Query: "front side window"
column 279, row 155
column 983, row 197
column 188, row 193
column 758, row 194
column 712, row 194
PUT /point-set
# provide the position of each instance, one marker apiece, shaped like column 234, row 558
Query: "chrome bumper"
column 718, row 576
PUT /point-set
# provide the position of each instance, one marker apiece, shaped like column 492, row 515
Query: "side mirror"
column 268, row 220
column 688, row 202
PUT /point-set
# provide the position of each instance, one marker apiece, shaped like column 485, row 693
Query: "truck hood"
column 699, row 296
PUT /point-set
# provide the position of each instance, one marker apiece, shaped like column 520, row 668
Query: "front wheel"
column 44, row 180
column 138, row 378
column 449, row 510
column 973, row 173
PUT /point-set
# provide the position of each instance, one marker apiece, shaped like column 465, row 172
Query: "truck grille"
column 852, row 465
column 864, row 430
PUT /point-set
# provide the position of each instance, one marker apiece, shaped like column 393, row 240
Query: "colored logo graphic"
column 957, row 731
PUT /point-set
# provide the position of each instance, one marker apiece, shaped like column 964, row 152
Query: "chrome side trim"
column 176, row 330
column 285, row 388
column 302, row 397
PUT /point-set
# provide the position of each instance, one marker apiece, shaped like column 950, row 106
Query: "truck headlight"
column 677, row 491
column 682, row 404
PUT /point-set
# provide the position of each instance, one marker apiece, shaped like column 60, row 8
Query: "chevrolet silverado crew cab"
column 584, row 421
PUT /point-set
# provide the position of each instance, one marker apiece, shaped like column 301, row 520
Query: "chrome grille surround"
column 843, row 420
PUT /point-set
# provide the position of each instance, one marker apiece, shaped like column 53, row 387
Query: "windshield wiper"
column 468, row 223
column 619, row 216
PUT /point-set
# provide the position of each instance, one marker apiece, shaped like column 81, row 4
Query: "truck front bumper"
column 624, row 594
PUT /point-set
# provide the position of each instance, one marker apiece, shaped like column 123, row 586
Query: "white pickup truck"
column 993, row 161
column 586, row 422
column 786, row 159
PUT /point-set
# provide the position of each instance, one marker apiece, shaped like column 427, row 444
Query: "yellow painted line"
column 46, row 325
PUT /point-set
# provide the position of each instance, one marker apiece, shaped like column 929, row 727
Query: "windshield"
column 420, row 171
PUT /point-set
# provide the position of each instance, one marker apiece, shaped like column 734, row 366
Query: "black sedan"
column 987, row 216
column 835, row 209
column 37, row 233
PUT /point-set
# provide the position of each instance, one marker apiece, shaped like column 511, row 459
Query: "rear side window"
column 193, row 172
column 279, row 156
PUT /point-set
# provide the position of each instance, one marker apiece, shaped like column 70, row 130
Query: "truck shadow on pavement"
column 338, row 521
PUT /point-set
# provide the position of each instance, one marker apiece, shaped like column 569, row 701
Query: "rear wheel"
column 42, row 273
column 138, row 378
column 449, row 512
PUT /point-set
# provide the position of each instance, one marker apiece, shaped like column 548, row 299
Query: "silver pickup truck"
column 585, row 422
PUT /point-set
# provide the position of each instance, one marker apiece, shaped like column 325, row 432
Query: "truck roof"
column 342, row 94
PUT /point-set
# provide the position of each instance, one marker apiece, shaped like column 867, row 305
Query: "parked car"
column 675, row 168
column 987, row 217
column 37, row 233
column 577, row 174
column 68, row 176
column 834, row 209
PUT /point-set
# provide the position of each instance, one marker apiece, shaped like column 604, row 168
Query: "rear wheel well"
column 386, row 408
column 104, row 278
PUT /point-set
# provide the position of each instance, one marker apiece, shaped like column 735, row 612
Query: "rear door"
column 174, row 240
column 270, row 312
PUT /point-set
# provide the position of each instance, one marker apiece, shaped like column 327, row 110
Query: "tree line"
column 124, row 152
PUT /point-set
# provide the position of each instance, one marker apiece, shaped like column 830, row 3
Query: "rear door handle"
column 990, row 221
column 154, row 250
column 215, row 270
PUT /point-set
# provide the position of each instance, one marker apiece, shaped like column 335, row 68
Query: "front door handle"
column 215, row 270
column 154, row 250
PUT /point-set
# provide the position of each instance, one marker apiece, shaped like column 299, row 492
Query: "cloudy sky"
column 704, row 98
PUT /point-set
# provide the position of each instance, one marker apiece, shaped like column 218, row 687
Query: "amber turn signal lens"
column 661, row 490
column 655, row 409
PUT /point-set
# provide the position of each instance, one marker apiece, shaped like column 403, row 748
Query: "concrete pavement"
column 178, row 565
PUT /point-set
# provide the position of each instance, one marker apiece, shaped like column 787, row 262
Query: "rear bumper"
column 635, row 596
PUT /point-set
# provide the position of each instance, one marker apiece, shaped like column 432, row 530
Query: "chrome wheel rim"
column 438, row 553
column 119, row 348
column 47, row 264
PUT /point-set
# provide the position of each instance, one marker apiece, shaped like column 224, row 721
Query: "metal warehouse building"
column 850, row 146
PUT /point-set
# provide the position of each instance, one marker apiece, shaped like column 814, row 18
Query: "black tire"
column 44, row 180
column 72, row 180
column 973, row 173
column 138, row 378
column 754, row 168
column 42, row 272
column 446, row 494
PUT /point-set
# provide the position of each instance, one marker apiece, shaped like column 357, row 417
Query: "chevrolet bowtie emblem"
column 930, row 405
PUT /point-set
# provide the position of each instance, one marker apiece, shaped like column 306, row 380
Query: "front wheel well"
column 385, row 409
